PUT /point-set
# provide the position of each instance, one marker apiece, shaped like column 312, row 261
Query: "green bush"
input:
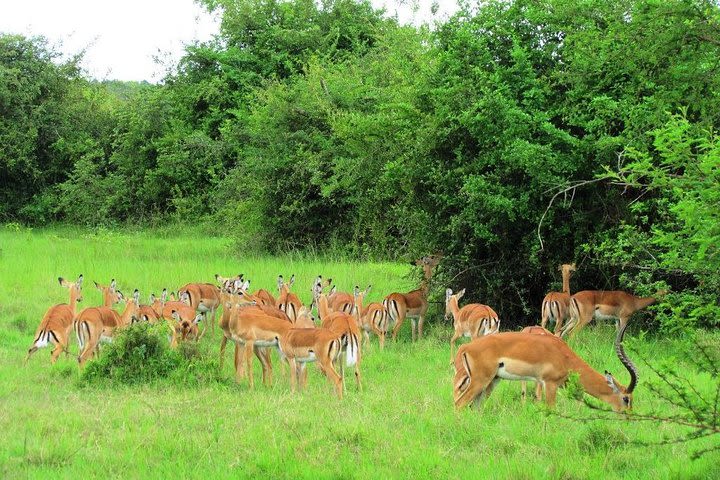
column 139, row 353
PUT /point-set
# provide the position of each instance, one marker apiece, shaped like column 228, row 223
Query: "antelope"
column 340, row 301
column 413, row 304
column 182, row 320
column 97, row 324
column 204, row 298
column 546, row 359
column 287, row 301
column 233, row 295
column 371, row 318
column 153, row 312
column 533, row 330
column 302, row 345
column 603, row 305
column 57, row 322
column 556, row 305
column 472, row 320
column 251, row 326
column 345, row 325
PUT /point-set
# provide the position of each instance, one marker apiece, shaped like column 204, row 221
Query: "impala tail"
column 352, row 349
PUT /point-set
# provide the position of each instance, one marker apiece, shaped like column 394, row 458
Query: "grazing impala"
column 473, row 320
column 533, row 330
column 57, row 322
column 618, row 305
column 413, row 304
column 97, row 324
column 546, row 359
column 204, row 298
column 556, row 305
column 302, row 345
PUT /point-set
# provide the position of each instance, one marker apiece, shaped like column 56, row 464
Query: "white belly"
column 310, row 358
column 505, row 375
column 266, row 343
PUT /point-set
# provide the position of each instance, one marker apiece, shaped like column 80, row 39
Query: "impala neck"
column 642, row 302
column 74, row 295
column 566, row 281
column 454, row 307
column 108, row 298
column 592, row 381
column 130, row 310
column 323, row 309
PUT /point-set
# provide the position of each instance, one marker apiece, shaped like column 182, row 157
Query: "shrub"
column 138, row 354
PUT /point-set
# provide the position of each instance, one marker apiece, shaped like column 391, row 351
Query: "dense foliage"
column 307, row 124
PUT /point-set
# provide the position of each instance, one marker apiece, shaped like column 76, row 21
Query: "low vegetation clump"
column 137, row 354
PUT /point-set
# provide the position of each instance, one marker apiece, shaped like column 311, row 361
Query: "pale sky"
column 122, row 38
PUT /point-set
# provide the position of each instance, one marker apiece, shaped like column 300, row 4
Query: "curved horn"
column 625, row 360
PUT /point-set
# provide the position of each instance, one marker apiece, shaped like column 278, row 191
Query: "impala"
column 57, row 322
column 287, row 301
column 251, row 326
column 153, row 312
column 472, row 320
column 603, row 305
column 97, row 324
column 556, row 305
column 533, row 330
column 371, row 318
column 413, row 304
column 546, row 359
column 183, row 321
column 302, row 345
column 345, row 325
column 204, row 298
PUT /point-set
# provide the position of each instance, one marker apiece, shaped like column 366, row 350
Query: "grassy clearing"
column 402, row 425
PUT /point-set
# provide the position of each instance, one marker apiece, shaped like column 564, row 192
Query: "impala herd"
column 256, row 323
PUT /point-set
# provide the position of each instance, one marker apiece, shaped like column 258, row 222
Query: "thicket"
column 328, row 125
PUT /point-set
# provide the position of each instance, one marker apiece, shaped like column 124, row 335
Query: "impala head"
column 110, row 293
column 463, row 392
column 305, row 316
column 183, row 326
column 450, row 298
column 567, row 268
column 428, row 263
column 75, row 287
column 164, row 296
column 622, row 396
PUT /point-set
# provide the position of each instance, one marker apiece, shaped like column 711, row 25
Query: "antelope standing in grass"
column 345, row 325
column 57, row 322
column 546, row 359
column 413, row 304
column 605, row 305
column 303, row 345
column 556, row 305
column 472, row 320
column 204, row 298
column 371, row 318
column 97, row 324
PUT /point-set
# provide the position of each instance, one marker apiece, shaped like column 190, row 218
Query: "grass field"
column 402, row 425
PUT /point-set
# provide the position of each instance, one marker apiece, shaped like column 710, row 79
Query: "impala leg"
column 538, row 391
column 32, row 350
column 366, row 338
column 223, row 344
column 239, row 362
column 263, row 354
column 293, row 374
column 523, row 390
column 421, row 321
column 550, row 393
column 303, row 376
column 59, row 347
column 622, row 321
column 413, row 324
column 331, row 374
column 398, row 324
column 381, row 336
column 249, row 348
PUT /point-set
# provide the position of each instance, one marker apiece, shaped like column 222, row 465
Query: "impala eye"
column 626, row 400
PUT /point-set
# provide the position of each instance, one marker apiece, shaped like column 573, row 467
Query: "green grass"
column 402, row 425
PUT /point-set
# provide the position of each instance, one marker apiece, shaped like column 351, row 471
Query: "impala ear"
column 292, row 280
column 175, row 315
column 198, row 318
column 113, row 284
column 611, row 382
column 448, row 294
column 136, row 296
column 280, row 282
column 120, row 295
column 356, row 291
column 164, row 295
column 152, row 298
column 367, row 290
column 79, row 281
column 246, row 285
column 333, row 289
column 97, row 285
column 461, row 293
